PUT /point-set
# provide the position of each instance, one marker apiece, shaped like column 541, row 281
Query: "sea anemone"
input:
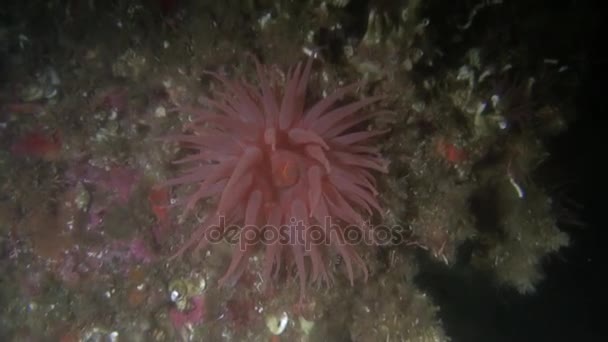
column 294, row 177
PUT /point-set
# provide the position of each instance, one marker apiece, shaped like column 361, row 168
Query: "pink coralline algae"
column 290, row 176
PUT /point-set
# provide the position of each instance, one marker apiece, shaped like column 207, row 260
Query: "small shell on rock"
column 181, row 290
column 99, row 334
column 277, row 325
column 178, row 292
column 160, row 112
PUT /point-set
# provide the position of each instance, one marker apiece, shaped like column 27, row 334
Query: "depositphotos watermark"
column 297, row 232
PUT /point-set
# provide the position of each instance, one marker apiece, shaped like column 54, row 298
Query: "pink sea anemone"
column 282, row 169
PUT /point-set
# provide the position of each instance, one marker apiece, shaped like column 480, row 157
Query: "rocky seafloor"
column 477, row 89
